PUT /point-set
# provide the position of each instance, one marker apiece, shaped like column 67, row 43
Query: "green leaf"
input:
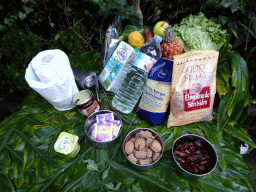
column 233, row 104
column 222, row 81
column 223, row 19
column 22, row 15
column 28, row 9
column 1, row 7
column 105, row 173
column 117, row 187
column 239, row 133
column 91, row 165
column 2, row 27
column 110, row 186
column 253, row 19
column 8, row 22
column 249, row 30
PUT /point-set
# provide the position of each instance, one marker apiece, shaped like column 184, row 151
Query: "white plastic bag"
column 50, row 74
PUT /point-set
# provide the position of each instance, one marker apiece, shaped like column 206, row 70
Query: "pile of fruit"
column 170, row 46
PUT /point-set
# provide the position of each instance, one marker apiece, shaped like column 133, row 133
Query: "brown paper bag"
column 193, row 87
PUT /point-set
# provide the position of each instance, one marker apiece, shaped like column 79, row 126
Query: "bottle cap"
column 158, row 38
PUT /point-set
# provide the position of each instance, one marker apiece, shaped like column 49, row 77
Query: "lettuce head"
column 196, row 32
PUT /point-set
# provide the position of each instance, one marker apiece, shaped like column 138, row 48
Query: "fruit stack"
column 170, row 45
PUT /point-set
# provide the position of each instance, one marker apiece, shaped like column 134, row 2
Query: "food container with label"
column 86, row 102
column 67, row 144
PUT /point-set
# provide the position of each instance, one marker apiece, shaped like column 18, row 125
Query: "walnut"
column 144, row 134
column 149, row 141
column 156, row 156
column 156, row 146
column 140, row 154
column 149, row 153
column 147, row 161
column 140, row 143
column 132, row 158
column 132, row 139
column 145, row 149
column 129, row 147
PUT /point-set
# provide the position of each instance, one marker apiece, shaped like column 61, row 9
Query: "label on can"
column 67, row 144
column 90, row 107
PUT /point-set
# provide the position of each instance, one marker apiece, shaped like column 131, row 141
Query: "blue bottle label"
column 144, row 61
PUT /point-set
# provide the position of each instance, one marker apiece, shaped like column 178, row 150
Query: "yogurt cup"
column 67, row 144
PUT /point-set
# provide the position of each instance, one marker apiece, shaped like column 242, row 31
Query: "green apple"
column 159, row 28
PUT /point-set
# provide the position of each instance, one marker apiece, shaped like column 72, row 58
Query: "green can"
column 67, row 144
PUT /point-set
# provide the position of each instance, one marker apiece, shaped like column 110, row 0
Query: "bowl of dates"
column 193, row 156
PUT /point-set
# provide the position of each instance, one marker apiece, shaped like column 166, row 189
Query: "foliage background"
column 29, row 26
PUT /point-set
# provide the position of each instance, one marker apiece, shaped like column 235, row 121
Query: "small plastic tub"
column 89, row 127
column 67, row 144
column 156, row 137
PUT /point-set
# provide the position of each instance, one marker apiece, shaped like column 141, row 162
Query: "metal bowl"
column 88, row 129
column 132, row 134
column 208, row 148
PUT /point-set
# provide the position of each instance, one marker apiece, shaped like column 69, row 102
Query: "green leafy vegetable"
column 196, row 32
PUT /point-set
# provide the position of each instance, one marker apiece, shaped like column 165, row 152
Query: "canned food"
column 86, row 103
column 67, row 144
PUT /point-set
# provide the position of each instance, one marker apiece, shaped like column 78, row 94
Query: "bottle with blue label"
column 134, row 83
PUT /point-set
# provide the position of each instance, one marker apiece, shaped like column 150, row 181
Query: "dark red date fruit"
column 196, row 170
column 198, row 143
column 180, row 160
column 192, row 149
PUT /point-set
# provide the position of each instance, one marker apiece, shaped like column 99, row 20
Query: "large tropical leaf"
column 28, row 161
column 234, row 104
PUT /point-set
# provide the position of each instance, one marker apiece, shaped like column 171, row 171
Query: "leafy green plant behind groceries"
column 196, row 32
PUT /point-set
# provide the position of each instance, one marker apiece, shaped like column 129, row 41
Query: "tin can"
column 67, row 144
column 86, row 102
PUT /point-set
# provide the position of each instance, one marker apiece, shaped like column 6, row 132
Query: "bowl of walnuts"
column 143, row 148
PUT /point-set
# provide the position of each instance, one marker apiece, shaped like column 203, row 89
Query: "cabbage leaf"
column 196, row 32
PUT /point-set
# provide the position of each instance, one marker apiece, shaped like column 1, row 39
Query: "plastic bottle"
column 134, row 83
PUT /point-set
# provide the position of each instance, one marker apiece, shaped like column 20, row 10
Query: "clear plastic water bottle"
column 134, row 83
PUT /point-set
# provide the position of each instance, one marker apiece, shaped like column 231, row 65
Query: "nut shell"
column 156, row 156
column 147, row 161
column 140, row 143
column 149, row 153
column 129, row 147
column 156, row 146
column 132, row 158
column 140, row 154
